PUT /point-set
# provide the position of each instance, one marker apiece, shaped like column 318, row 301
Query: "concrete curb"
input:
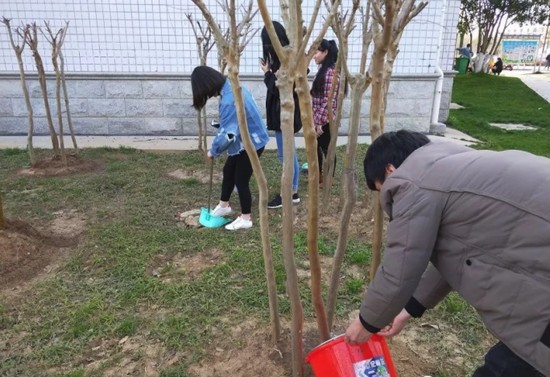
column 180, row 143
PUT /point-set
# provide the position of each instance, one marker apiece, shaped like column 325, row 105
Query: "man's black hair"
column 206, row 82
column 390, row 148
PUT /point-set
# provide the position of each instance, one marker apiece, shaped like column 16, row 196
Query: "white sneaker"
column 222, row 211
column 239, row 223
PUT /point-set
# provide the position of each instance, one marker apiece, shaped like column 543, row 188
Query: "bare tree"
column 345, row 22
column 18, row 49
column 66, row 94
column 56, row 41
column 391, row 17
column 243, row 29
column 293, row 71
column 359, row 84
column 30, row 34
column 231, row 52
column 204, row 43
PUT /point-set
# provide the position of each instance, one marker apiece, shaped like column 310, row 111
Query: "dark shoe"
column 276, row 202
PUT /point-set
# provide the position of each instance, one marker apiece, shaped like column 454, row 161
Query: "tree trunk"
column 18, row 53
column 293, row 68
column 335, row 122
column 201, row 116
column 66, row 97
column 350, row 197
column 262, row 187
column 1, row 214
column 30, row 114
column 377, row 235
column 58, row 104
column 381, row 46
column 297, row 312
column 310, row 136
column 43, row 86
column 201, row 123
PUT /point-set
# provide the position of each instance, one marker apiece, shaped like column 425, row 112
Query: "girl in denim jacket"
column 206, row 82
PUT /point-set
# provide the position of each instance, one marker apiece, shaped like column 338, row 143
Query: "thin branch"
column 322, row 32
column 17, row 48
column 216, row 31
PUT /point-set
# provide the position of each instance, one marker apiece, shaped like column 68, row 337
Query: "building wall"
column 118, row 105
column 128, row 65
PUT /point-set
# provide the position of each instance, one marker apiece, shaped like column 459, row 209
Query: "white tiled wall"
column 147, row 36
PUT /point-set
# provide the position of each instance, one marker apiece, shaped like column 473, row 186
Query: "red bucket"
column 336, row 358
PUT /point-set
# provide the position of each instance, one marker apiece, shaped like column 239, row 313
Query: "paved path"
column 539, row 82
column 175, row 143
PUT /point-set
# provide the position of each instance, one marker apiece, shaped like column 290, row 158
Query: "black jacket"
column 273, row 105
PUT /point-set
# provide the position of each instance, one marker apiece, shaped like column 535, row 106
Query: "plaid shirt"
column 320, row 102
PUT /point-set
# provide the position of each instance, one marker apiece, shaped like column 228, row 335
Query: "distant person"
column 548, row 61
column 270, row 64
column 466, row 52
column 497, row 67
column 473, row 221
column 206, row 82
column 325, row 58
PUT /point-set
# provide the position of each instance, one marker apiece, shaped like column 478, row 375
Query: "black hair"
column 269, row 54
column 206, row 82
column 390, row 148
column 329, row 62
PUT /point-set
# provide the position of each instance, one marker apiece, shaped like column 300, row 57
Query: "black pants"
column 237, row 171
column 500, row 361
column 323, row 142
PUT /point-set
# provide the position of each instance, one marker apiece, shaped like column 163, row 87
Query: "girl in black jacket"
column 270, row 65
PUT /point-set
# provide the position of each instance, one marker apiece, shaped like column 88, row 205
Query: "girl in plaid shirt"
column 326, row 56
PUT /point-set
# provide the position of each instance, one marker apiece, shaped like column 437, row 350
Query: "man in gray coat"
column 477, row 222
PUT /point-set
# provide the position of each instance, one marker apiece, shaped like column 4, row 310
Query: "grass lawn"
column 141, row 295
column 497, row 99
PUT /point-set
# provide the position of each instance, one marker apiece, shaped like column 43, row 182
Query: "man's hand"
column 356, row 333
column 209, row 155
column 397, row 325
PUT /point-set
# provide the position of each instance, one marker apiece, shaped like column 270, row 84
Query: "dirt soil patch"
column 247, row 351
column 200, row 175
column 168, row 268
column 27, row 252
column 54, row 167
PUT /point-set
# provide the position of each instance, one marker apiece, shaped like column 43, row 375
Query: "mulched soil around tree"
column 54, row 167
column 25, row 252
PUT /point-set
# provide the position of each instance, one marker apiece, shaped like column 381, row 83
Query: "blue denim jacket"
column 229, row 136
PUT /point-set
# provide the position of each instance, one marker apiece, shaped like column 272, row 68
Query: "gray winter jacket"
column 482, row 219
